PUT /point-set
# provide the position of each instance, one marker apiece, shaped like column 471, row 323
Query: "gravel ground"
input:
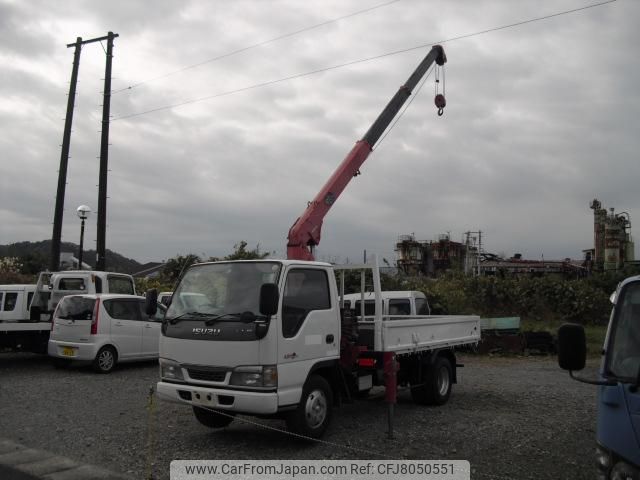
column 512, row 418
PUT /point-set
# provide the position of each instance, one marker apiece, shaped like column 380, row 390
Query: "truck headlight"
column 603, row 459
column 255, row 376
column 624, row 471
column 170, row 370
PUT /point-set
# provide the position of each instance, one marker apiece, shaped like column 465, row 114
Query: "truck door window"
column 121, row 285
column 29, row 298
column 305, row 290
column 399, row 306
column 72, row 284
column 422, row 307
column 10, row 300
column 1, row 294
column 624, row 358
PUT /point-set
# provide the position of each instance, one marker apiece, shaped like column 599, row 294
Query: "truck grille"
column 208, row 374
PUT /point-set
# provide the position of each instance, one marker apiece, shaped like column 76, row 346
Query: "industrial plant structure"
column 431, row 257
column 612, row 243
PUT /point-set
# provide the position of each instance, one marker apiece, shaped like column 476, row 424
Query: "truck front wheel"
column 211, row 418
column 313, row 414
column 435, row 383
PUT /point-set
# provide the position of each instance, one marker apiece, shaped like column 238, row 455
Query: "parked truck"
column 618, row 419
column 26, row 310
column 274, row 337
column 273, row 341
column 17, row 331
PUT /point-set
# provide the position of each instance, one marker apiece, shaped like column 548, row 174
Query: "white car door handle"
column 118, row 324
column 147, row 326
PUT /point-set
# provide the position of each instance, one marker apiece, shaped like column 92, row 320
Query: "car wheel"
column 435, row 383
column 105, row 360
column 313, row 414
column 212, row 418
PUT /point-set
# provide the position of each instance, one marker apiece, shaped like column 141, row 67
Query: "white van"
column 105, row 330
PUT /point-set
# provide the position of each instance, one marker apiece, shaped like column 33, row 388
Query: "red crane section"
column 304, row 235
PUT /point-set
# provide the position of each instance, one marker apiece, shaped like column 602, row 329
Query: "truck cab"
column 52, row 286
column 618, row 421
column 15, row 301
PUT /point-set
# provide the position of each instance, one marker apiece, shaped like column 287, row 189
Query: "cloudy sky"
column 540, row 119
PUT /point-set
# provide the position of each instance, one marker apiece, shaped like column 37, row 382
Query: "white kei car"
column 104, row 329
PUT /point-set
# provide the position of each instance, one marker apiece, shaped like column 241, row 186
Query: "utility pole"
column 104, row 160
column 56, row 236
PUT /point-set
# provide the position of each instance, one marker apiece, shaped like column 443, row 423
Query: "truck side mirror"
column 269, row 298
column 572, row 347
column 151, row 302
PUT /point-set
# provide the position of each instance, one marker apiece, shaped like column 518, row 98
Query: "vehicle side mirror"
column 151, row 302
column 269, row 298
column 572, row 347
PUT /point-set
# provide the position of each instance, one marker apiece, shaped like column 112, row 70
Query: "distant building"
column 492, row 265
column 151, row 270
column 432, row 257
column 612, row 242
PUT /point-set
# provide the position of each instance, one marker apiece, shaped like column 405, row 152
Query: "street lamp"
column 83, row 213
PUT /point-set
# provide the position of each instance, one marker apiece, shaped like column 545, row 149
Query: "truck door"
column 151, row 329
column 309, row 329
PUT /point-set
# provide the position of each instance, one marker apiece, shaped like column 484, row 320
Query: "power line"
column 255, row 45
column 362, row 60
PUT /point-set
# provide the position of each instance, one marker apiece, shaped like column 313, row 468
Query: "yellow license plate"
column 68, row 351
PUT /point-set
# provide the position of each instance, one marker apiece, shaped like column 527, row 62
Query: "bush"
column 584, row 301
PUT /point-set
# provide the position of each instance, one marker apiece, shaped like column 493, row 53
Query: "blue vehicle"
column 618, row 432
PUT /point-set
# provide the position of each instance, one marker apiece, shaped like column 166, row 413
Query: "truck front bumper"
column 254, row 403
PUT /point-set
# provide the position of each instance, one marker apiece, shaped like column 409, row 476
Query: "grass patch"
column 594, row 333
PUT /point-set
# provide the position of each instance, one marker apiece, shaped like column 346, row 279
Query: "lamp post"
column 83, row 213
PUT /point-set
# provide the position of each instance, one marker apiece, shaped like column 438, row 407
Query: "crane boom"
column 304, row 235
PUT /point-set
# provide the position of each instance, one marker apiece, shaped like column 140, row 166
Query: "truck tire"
column 435, row 385
column 313, row 414
column 211, row 418
column 105, row 360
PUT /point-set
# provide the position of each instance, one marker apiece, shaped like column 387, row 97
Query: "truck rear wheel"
column 212, row 418
column 313, row 414
column 435, row 383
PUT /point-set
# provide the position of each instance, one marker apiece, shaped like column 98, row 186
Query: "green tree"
column 176, row 265
column 240, row 252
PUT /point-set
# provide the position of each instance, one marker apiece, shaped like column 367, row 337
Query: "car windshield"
column 222, row 288
column 624, row 357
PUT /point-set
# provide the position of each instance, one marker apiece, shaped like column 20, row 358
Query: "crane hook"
column 440, row 103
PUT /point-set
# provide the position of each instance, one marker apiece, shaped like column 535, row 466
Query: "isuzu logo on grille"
column 205, row 331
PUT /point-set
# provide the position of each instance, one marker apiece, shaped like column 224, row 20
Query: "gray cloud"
column 540, row 120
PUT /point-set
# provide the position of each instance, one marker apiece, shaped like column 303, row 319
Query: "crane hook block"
column 440, row 103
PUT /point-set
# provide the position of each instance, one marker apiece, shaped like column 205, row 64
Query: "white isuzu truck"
column 272, row 340
column 271, row 337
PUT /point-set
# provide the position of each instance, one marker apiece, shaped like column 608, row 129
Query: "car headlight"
column 255, row 376
column 170, row 370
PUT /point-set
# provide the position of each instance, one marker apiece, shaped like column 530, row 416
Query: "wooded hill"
column 34, row 257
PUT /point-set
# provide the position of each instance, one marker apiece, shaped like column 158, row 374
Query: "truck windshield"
column 222, row 288
column 624, row 348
